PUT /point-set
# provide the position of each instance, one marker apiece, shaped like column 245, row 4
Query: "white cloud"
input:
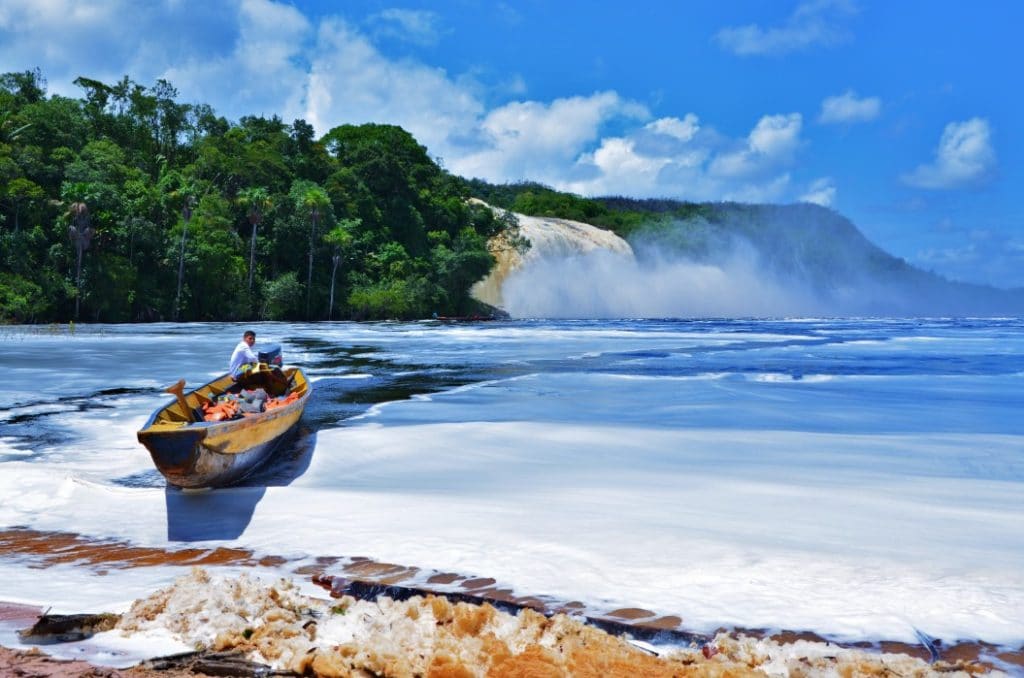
column 776, row 135
column 198, row 47
column 261, row 66
column 420, row 27
column 534, row 140
column 964, row 157
column 821, row 192
column 683, row 130
column 351, row 81
column 847, row 108
column 28, row 28
column 816, row 22
column 771, row 143
column 685, row 159
column 271, row 34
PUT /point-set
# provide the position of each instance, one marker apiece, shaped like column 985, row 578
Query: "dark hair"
column 249, row 333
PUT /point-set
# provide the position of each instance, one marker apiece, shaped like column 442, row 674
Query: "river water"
column 859, row 478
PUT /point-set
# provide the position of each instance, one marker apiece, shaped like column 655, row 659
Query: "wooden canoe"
column 199, row 454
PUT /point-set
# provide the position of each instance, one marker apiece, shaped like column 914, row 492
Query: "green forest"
column 126, row 205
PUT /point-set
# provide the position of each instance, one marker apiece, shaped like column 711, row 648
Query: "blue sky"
column 907, row 117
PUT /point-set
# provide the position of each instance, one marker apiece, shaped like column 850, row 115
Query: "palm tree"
column 186, row 214
column 312, row 201
column 340, row 237
column 81, row 234
column 258, row 202
column 179, row 189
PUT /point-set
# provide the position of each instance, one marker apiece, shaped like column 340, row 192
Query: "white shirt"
column 242, row 355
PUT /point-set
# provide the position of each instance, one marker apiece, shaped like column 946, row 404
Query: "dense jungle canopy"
column 127, row 205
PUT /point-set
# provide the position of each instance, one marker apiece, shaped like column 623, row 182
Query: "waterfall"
column 576, row 270
column 550, row 240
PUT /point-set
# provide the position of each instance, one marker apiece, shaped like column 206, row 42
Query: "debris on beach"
column 65, row 628
column 276, row 625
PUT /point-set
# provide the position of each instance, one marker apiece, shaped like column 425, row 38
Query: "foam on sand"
column 277, row 625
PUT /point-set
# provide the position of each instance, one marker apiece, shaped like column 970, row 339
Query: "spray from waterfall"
column 693, row 270
column 604, row 285
column 574, row 270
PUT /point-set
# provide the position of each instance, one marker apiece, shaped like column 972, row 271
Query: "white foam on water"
column 862, row 506
column 846, row 535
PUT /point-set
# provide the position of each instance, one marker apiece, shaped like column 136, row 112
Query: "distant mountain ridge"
column 800, row 246
column 818, row 248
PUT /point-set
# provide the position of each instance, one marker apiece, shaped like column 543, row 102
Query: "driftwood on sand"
column 66, row 628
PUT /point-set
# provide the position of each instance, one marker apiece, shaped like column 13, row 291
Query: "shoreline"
column 466, row 642
column 364, row 578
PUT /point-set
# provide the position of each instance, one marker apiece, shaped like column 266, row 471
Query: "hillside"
column 802, row 248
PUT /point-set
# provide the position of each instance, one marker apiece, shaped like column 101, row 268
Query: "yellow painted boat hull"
column 193, row 454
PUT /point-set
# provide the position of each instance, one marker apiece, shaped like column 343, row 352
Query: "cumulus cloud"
column 683, row 130
column 964, row 157
column 351, row 81
column 772, row 142
column 535, row 140
column 686, row 159
column 420, row 27
column 255, row 45
column 820, row 192
column 847, row 108
column 817, row 22
column 69, row 38
column 262, row 64
column 331, row 71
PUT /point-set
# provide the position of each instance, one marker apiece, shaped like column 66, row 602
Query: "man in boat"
column 248, row 373
column 243, row 357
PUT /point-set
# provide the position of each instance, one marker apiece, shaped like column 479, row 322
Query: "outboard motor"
column 270, row 378
column 270, row 354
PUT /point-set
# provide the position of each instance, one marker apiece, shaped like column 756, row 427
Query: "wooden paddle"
column 178, row 391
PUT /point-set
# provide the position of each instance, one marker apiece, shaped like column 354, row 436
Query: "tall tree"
column 186, row 216
column 257, row 202
column 340, row 238
column 22, row 193
column 81, row 233
column 178, row 191
column 311, row 202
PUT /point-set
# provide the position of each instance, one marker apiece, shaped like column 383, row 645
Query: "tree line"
column 126, row 205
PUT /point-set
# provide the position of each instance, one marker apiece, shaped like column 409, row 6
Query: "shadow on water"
column 225, row 513
column 206, row 515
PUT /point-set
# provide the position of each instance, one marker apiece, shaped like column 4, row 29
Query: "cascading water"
column 550, row 239
column 575, row 270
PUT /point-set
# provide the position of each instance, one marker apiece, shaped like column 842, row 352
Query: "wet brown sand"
column 354, row 575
